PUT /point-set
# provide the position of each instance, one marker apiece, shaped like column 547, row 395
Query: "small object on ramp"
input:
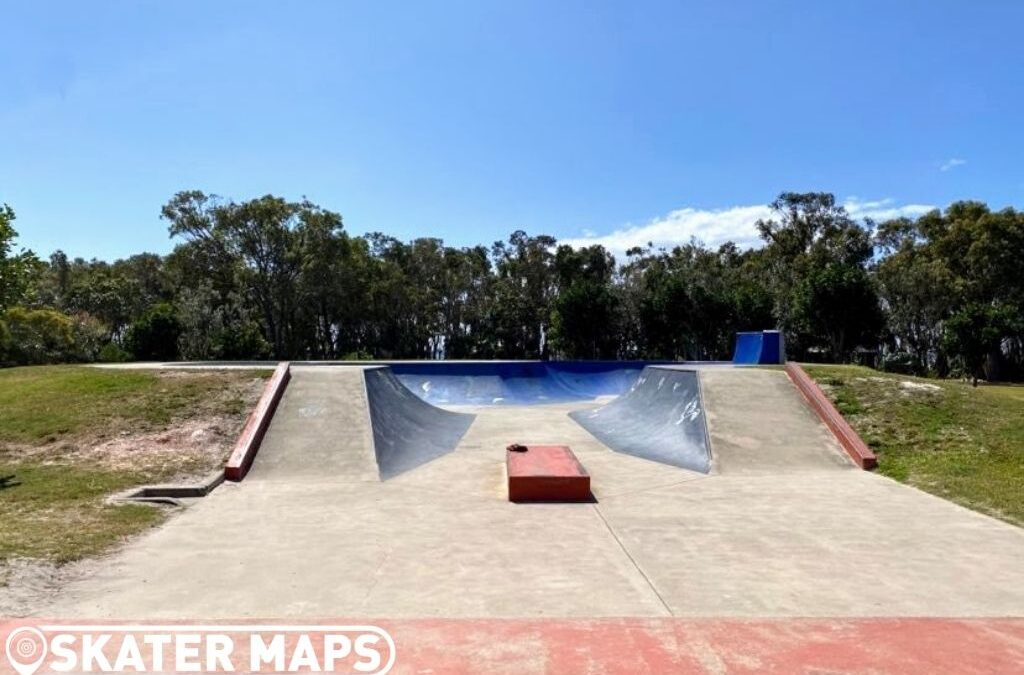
column 516, row 447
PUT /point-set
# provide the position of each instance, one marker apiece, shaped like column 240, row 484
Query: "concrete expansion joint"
column 636, row 565
column 654, row 488
column 377, row 574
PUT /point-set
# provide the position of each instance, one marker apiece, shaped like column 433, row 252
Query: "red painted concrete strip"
column 248, row 443
column 852, row 443
column 703, row 646
column 546, row 473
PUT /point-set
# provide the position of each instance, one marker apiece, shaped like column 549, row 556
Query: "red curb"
column 248, row 443
column 852, row 443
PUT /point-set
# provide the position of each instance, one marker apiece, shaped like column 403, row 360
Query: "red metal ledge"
column 852, row 443
column 248, row 443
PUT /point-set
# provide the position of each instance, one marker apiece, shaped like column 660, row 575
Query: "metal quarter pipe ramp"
column 407, row 431
column 661, row 419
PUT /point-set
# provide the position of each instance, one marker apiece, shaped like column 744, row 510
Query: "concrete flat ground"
column 783, row 526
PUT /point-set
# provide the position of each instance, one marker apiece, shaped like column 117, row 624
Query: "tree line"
column 271, row 278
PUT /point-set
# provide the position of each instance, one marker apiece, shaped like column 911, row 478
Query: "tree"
column 402, row 320
column 464, row 301
column 664, row 309
column 16, row 269
column 689, row 302
column 261, row 242
column 154, row 336
column 273, row 277
column 918, row 293
column 962, row 263
column 838, row 304
column 39, row 336
column 524, row 287
column 817, row 257
column 217, row 327
column 972, row 333
column 585, row 314
column 332, row 287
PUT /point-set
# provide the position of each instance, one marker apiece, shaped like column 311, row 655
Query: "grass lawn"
column 962, row 443
column 53, row 486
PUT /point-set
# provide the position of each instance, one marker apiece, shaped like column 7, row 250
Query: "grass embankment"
column 71, row 436
column 962, row 443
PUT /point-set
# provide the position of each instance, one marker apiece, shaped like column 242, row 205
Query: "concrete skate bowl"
column 516, row 383
column 407, row 431
column 661, row 418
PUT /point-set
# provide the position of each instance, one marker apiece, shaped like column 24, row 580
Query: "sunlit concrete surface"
column 783, row 526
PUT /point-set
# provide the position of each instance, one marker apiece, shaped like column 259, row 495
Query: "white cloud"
column 883, row 209
column 714, row 227
column 952, row 164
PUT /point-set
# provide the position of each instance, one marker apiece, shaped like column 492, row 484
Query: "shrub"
column 5, row 340
column 359, row 355
column 154, row 336
column 40, row 336
column 90, row 336
column 112, row 353
column 901, row 363
column 242, row 342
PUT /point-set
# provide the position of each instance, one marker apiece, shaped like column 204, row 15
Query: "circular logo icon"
column 26, row 649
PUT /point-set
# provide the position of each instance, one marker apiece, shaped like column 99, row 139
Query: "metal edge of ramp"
column 516, row 383
column 407, row 431
column 661, row 418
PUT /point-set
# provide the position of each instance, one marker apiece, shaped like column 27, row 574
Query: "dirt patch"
column 187, row 447
column 919, row 386
column 27, row 584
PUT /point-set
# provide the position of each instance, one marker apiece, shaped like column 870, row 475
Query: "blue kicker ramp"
column 661, row 419
column 759, row 348
column 516, row 383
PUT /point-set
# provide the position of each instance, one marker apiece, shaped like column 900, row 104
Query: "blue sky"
column 592, row 121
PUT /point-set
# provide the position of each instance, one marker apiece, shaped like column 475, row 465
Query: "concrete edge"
column 248, row 443
column 849, row 439
column 369, row 419
column 712, row 455
column 170, row 493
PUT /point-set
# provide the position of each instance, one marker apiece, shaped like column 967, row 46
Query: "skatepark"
column 513, row 338
column 380, row 491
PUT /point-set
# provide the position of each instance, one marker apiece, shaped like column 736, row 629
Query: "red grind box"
column 546, row 473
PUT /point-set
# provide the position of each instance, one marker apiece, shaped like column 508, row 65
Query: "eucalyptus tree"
column 817, row 258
